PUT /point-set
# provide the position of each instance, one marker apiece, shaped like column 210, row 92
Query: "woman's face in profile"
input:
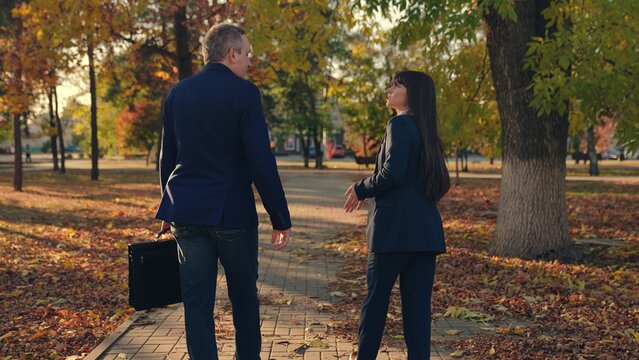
column 397, row 97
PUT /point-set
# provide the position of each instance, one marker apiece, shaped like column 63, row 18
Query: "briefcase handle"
column 162, row 232
column 181, row 257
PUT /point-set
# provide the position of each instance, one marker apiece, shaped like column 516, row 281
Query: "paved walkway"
column 293, row 287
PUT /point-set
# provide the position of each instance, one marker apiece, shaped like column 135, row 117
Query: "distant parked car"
column 72, row 149
column 8, row 149
column 611, row 154
column 338, row 151
column 578, row 156
column 311, row 151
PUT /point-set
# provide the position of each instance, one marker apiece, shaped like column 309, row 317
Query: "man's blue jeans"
column 201, row 247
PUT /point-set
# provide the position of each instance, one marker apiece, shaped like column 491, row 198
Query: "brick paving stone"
column 165, row 349
column 292, row 284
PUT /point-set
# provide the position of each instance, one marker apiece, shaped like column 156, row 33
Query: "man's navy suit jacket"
column 403, row 219
column 215, row 143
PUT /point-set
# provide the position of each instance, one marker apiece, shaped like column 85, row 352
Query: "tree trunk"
column 532, row 220
column 158, row 149
column 17, row 135
column 183, row 58
column 318, row 149
column 182, row 51
column 305, row 150
column 17, row 159
column 305, row 144
column 456, row 166
column 593, row 170
column 60, row 132
column 365, row 147
column 95, row 174
column 465, row 160
column 23, row 119
column 54, row 137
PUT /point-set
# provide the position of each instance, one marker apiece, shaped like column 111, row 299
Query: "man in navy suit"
column 215, row 144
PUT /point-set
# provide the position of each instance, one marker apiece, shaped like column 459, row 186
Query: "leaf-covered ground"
column 64, row 258
column 585, row 309
column 63, row 285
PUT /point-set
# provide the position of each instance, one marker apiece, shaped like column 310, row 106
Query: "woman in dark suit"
column 405, row 230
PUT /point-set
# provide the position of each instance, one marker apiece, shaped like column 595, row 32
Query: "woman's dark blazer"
column 403, row 220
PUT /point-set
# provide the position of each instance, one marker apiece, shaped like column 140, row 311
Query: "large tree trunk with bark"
column 60, row 132
column 532, row 220
column 54, row 137
column 95, row 174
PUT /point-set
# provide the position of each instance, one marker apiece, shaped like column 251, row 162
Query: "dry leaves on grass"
column 582, row 309
column 64, row 265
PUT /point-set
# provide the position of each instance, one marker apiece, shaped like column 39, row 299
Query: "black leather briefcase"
column 154, row 274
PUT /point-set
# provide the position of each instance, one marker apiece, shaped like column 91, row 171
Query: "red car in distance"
column 338, row 151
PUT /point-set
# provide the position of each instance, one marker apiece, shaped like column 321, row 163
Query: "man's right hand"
column 280, row 238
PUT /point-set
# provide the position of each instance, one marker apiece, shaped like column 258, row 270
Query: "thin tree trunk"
column 25, row 125
column 593, row 170
column 183, row 54
column 183, row 58
column 158, row 149
column 318, row 149
column 463, row 163
column 305, row 150
column 465, row 159
column 17, row 84
column 17, row 158
column 95, row 174
column 365, row 147
column 60, row 132
column 159, row 144
column 54, row 137
column 456, row 166
column 532, row 220
column 305, row 144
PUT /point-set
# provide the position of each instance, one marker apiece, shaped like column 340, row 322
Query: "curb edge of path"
column 113, row 337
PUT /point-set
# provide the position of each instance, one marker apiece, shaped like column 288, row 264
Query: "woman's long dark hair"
column 420, row 90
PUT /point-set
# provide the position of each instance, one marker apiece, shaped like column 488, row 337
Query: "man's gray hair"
column 219, row 40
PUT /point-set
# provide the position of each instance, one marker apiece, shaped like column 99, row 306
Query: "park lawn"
column 63, row 268
column 585, row 308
